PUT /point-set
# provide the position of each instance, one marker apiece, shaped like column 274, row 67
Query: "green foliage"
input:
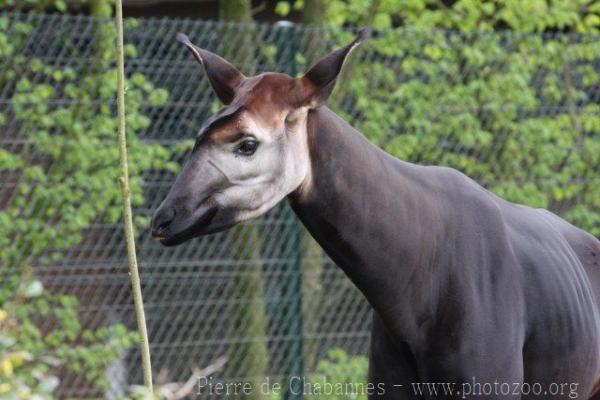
column 338, row 376
column 345, row 374
column 501, row 90
column 470, row 15
column 29, row 354
column 283, row 8
column 37, row 5
column 66, row 172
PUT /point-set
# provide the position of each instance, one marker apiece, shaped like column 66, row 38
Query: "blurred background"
column 506, row 91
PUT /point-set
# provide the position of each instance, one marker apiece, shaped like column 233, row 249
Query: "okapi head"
column 252, row 153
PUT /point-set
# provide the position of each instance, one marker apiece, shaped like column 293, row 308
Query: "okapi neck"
column 373, row 216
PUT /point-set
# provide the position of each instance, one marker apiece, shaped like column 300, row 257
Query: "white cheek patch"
column 290, row 164
column 221, row 171
column 255, row 184
column 228, row 176
column 247, row 182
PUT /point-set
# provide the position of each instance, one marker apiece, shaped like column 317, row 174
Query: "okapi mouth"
column 193, row 230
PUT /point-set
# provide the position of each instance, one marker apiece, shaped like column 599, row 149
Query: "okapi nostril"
column 162, row 220
column 164, row 225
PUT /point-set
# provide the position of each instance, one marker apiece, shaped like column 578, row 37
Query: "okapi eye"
column 247, row 147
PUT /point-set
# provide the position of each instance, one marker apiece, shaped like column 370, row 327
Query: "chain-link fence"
column 519, row 113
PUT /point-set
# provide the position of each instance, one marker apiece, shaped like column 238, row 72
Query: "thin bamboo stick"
column 127, row 214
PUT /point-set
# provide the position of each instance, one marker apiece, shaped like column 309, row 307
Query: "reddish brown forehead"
column 265, row 96
column 270, row 90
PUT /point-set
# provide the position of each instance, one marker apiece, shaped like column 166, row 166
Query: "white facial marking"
column 277, row 168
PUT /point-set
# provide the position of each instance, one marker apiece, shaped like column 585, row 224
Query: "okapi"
column 465, row 286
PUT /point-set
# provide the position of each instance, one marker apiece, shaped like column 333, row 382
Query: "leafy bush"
column 338, row 376
column 345, row 374
column 66, row 172
column 30, row 355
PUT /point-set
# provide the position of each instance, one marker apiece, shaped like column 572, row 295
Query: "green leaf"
column 282, row 8
column 60, row 5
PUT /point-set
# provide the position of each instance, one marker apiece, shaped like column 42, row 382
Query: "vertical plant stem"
column 127, row 218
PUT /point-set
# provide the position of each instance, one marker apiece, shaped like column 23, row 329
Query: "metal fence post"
column 293, row 351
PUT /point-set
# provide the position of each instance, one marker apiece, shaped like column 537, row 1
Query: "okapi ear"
column 318, row 83
column 223, row 77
